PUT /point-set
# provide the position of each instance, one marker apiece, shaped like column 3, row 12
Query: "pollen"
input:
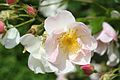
column 68, row 42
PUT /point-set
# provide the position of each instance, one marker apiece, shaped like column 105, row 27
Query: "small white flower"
column 11, row 38
column 115, row 14
column 37, row 61
column 51, row 10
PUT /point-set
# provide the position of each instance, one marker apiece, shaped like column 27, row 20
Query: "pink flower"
column 107, row 35
column 2, row 27
column 105, row 43
column 30, row 10
column 11, row 1
column 68, row 41
column 88, row 69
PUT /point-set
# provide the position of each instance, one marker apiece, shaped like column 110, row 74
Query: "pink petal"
column 51, row 43
column 58, row 22
column 59, row 59
column 108, row 34
column 54, row 55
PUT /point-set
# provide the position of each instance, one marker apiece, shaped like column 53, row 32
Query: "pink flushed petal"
column 51, row 43
column 58, row 22
column 53, row 56
column 59, row 59
column 109, row 30
column 83, row 58
column 101, row 48
column 103, row 37
column 108, row 34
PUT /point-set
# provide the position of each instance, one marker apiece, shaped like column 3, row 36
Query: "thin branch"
column 25, row 23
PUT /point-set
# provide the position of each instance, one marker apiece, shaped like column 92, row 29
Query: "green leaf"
column 96, row 24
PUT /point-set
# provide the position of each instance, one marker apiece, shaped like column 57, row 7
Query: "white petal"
column 58, row 22
column 95, row 76
column 51, row 9
column 11, row 38
column 113, row 55
column 69, row 68
column 35, row 65
column 33, row 45
column 61, row 77
column 101, row 48
column 83, row 58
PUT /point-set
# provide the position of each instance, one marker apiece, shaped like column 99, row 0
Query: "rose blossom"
column 68, row 41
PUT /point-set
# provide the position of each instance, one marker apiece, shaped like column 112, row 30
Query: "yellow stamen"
column 68, row 42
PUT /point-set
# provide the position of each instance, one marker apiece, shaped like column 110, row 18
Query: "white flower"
column 61, row 77
column 11, row 38
column 51, row 10
column 115, row 14
column 37, row 61
column 68, row 41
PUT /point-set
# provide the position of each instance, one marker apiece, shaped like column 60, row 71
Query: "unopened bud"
column 88, row 69
column 30, row 10
column 2, row 27
column 11, row 1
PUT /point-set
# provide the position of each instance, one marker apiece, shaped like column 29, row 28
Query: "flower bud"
column 30, row 10
column 88, row 69
column 2, row 27
column 11, row 1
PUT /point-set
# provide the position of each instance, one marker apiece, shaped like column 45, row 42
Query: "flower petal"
column 108, row 34
column 33, row 45
column 83, row 58
column 113, row 55
column 58, row 22
column 101, row 48
column 11, row 38
column 51, row 44
column 84, row 34
column 51, row 9
column 35, row 65
column 59, row 59
column 69, row 68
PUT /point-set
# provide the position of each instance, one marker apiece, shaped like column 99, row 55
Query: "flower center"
column 68, row 42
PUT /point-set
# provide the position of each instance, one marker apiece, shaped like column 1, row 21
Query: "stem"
column 102, row 7
column 25, row 23
column 2, row 4
column 91, row 18
column 86, row 1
